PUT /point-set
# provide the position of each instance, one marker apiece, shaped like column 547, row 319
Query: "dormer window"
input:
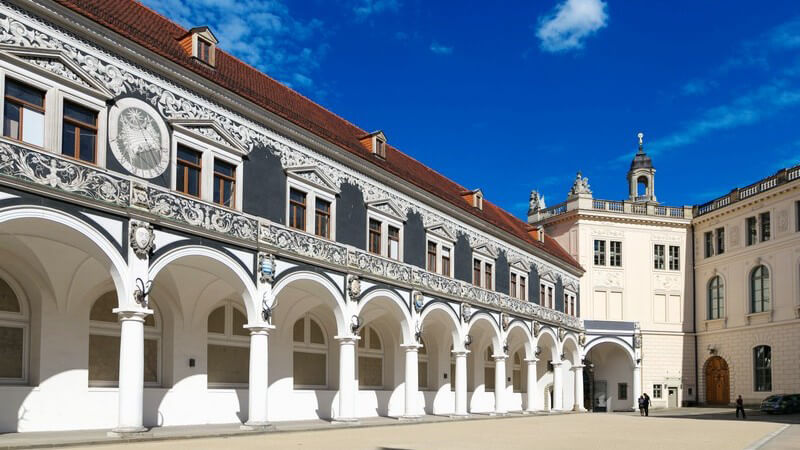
column 375, row 142
column 201, row 43
column 474, row 198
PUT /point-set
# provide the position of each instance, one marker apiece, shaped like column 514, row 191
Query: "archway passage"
column 611, row 370
column 717, row 381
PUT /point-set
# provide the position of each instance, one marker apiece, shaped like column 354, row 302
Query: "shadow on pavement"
column 700, row 413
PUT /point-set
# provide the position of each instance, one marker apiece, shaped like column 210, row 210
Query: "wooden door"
column 717, row 382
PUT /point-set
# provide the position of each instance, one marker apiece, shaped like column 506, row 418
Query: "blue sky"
column 516, row 95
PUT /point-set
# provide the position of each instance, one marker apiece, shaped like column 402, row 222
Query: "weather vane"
column 641, row 135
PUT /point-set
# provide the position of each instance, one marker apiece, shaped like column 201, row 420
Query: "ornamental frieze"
column 57, row 173
column 198, row 214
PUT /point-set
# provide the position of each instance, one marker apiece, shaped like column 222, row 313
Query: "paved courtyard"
column 677, row 429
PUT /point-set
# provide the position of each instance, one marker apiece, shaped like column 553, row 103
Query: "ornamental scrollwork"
column 56, row 173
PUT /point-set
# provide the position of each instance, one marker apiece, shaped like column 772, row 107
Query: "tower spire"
column 641, row 142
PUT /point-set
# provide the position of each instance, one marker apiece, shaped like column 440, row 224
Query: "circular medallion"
column 142, row 237
column 138, row 138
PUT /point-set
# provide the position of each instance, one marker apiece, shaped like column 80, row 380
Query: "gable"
column 387, row 208
column 210, row 132
column 54, row 62
column 313, row 176
column 441, row 232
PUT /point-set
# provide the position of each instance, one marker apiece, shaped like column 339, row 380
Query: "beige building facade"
column 747, row 257
column 636, row 297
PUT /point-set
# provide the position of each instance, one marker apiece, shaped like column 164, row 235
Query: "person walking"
column 646, row 404
column 641, row 405
column 740, row 407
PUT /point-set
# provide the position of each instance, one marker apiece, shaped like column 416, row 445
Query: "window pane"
column 11, row 116
column 193, row 182
column 8, row 300
column 370, row 371
column 11, row 346
column 422, row 374
column 188, row 155
column 80, row 114
column 298, row 331
column 309, row 369
column 33, row 127
column 315, row 332
column 24, row 92
column 68, row 140
column 88, row 141
column 239, row 321
column 228, row 364
column 102, row 310
column 150, row 361
column 374, row 340
column 103, row 358
column 216, row 321
column 431, row 256
column 225, row 169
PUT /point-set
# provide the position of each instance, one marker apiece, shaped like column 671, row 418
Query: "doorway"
column 717, row 381
column 600, row 396
column 672, row 399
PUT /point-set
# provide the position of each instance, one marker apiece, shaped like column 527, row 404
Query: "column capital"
column 136, row 315
column 500, row 357
column 578, row 367
column 411, row 347
column 460, row 353
column 556, row 363
column 348, row 339
column 259, row 328
column 531, row 360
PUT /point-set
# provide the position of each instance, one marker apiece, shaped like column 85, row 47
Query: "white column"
column 558, row 394
column 258, row 388
column 499, row 384
column 461, row 383
column 578, row 372
column 637, row 385
column 347, row 382
column 530, row 406
column 131, row 370
column 412, row 381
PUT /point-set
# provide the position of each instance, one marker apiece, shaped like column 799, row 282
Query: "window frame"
column 719, row 240
column 764, row 226
column 485, row 260
column 662, row 258
column 719, row 290
column 312, row 193
column 387, row 221
column 21, row 319
column 765, row 372
column 208, row 155
column 224, row 177
column 368, row 352
column 307, row 347
column 226, row 339
column 674, row 258
column 751, row 230
column 612, row 254
column 548, row 292
column 440, row 244
column 708, row 244
column 599, row 253
column 658, row 390
column 522, row 293
column 570, row 303
column 622, row 387
column 765, row 305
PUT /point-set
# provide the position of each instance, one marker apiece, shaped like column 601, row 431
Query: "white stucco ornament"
column 142, row 238
column 138, row 138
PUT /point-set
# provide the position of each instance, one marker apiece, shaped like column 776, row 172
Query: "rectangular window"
column 476, row 272
column 488, row 269
column 23, row 113
column 523, row 288
column 445, row 261
column 297, row 209
column 762, row 356
column 541, row 294
column 658, row 256
column 79, row 133
column 751, row 231
column 431, row 256
column 188, row 171
column 204, row 51
column 599, row 253
column 394, row 242
column 674, row 257
column 615, row 254
column 322, row 218
column 224, row 184
column 656, row 391
column 513, row 291
column 763, row 218
column 720, row 241
column 374, row 236
column 549, row 296
column 708, row 241
column 622, row 391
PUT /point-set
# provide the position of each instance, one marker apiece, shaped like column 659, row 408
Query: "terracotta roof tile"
column 160, row 35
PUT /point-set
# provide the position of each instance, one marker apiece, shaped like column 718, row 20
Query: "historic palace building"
column 690, row 305
column 184, row 240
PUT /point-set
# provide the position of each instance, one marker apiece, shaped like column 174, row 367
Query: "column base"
column 344, row 421
column 579, row 409
column 257, row 426
column 526, row 412
column 498, row 414
column 126, row 432
column 459, row 416
column 410, row 418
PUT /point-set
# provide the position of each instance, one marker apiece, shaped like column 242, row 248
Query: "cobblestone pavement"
column 677, row 429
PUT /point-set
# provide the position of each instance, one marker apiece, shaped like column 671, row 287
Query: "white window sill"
column 759, row 317
column 716, row 324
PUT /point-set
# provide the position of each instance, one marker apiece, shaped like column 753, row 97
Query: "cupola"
column 641, row 176
column 200, row 43
column 375, row 142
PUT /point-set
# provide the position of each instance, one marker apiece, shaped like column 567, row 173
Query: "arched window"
column 370, row 359
column 422, row 368
column 14, row 320
column 310, row 362
column 759, row 289
column 716, row 298
column 762, row 363
column 104, row 335
column 488, row 370
column 516, row 371
column 228, row 347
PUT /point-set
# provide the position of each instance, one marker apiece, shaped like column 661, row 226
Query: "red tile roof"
column 160, row 35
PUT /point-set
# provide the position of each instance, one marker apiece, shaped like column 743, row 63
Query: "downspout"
column 694, row 323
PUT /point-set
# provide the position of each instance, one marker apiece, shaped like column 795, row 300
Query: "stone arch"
column 447, row 310
column 570, row 343
column 327, row 285
column 517, row 327
column 613, row 340
column 390, row 297
column 496, row 335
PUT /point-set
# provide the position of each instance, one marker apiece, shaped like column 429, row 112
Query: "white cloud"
column 570, row 23
column 440, row 49
column 366, row 8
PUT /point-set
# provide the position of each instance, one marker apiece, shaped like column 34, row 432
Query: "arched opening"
column 520, row 349
column 717, row 381
column 439, row 326
column 572, row 386
column 14, row 334
column 481, row 367
column 228, row 348
column 611, row 370
column 642, row 187
column 310, row 354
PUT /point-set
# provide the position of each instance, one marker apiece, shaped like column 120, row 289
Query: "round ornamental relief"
column 138, row 138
